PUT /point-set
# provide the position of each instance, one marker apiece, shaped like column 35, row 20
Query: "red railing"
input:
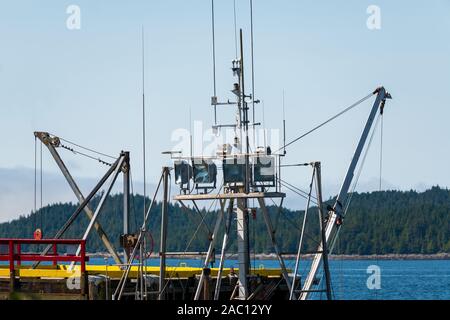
column 15, row 252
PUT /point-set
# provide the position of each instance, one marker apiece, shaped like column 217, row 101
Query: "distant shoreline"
column 394, row 256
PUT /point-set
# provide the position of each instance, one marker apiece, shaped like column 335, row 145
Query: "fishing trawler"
column 237, row 176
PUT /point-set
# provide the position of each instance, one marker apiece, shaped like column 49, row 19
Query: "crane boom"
column 337, row 212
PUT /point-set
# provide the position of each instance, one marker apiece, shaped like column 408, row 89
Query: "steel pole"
column 162, row 248
column 243, row 250
column 326, row 268
column 126, row 199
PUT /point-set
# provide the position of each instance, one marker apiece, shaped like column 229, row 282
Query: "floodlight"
column 183, row 173
column 234, row 171
column 264, row 169
column 205, row 172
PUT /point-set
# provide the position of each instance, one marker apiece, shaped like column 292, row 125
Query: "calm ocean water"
column 400, row 279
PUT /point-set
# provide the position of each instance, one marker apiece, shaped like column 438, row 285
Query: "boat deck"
column 115, row 272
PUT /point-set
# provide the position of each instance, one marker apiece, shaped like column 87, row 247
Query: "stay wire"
column 82, row 147
column 86, row 155
column 295, row 226
column 381, row 150
column 327, row 121
column 358, row 175
column 214, row 203
column 305, row 194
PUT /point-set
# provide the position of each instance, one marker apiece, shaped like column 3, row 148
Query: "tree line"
column 387, row 222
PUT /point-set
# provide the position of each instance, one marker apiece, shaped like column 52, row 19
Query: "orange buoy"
column 37, row 234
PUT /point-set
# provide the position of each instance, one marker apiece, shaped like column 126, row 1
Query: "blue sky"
column 85, row 85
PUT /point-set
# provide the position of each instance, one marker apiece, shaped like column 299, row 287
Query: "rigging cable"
column 183, row 255
column 381, row 150
column 294, row 225
column 297, row 190
column 328, row 121
column 302, row 232
column 347, row 205
column 85, row 148
column 86, row 155
column 361, row 166
column 284, row 124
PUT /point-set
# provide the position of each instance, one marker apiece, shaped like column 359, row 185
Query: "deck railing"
column 15, row 257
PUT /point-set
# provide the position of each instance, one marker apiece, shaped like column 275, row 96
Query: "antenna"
column 143, row 120
column 253, row 71
column 190, row 133
column 214, row 99
column 284, row 124
column 264, row 124
column 235, row 29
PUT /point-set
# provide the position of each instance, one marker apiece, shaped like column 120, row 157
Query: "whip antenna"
column 214, row 99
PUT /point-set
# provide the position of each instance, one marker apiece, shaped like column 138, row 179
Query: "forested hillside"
column 377, row 223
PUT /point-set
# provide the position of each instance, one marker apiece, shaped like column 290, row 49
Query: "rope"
column 327, row 121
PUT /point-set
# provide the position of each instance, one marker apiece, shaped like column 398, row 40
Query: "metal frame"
column 339, row 208
column 118, row 293
column 122, row 164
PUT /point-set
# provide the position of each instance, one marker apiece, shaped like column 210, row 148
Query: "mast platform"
column 228, row 196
